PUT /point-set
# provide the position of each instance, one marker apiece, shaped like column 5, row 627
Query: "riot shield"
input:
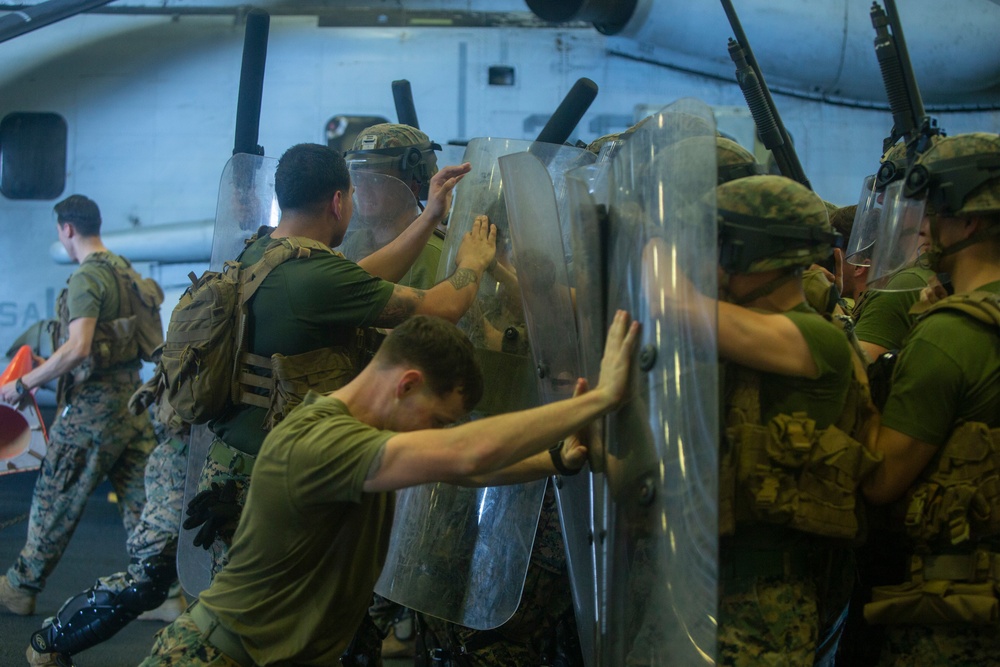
column 659, row 585
column 543, row 275
column 384, row 207
column 246, row 203
column 462, row 554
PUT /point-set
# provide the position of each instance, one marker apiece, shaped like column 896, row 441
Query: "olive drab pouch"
column 792, row 474
column 143, row 301
column 200, row 346
column 942, row 590
column 957, row 497
column 322, row 371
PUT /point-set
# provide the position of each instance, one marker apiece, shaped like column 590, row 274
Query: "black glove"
column 216, row 511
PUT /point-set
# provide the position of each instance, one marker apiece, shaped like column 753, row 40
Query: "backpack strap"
column 979, row 304
column 277, row 252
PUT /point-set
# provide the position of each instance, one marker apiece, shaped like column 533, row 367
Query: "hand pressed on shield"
column 441, row 187
column 479, row 246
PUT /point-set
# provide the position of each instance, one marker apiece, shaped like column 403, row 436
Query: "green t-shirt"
column 948, row 373
column 822, row 398
column 883, row 317
column 310, row 545
column 93, row 288
column 423, row 273
column 302, row 305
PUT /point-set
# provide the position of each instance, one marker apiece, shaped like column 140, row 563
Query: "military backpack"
column 206, row 346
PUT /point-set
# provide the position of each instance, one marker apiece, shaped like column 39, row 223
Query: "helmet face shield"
column 866, row 223
column 903, row 235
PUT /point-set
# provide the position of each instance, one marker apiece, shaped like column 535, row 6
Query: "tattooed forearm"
column 401, row 305
column 463, row 278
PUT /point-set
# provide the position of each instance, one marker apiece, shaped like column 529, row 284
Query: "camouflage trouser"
column 941, row 646
column 219, row 473
column 94, row 437
column 182, row 644
column 156, row 533
column 770, row 621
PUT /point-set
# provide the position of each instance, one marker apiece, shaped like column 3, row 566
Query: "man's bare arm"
column 465, row 453
column 451, row 297
column 68, row 356
column 392, row 261
column 904, row 457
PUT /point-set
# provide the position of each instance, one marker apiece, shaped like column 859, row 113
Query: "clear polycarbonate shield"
column 384, row 207
column 903, row 235
column 462, row 554
column 866, row 222
column 246, row 203
column 544, row 277
column 588, row 223
column 23, row 440
column 659, row 587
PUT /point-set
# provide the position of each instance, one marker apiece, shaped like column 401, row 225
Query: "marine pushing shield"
column 462, row 554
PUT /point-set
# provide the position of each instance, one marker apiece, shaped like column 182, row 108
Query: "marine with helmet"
column 791, row 460
column 881, row 314
column 391, row 158
column 940, row 429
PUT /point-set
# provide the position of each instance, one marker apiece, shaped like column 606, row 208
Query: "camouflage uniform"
column 94, row 437
column 229, row 465
column 948, row 349
column 182, row 644
column 543, row 625
column 783, row 586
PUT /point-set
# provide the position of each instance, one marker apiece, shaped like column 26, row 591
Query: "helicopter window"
column 32, row 155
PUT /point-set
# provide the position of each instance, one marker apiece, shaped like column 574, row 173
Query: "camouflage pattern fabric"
column 182, row 644
column 389, row 135
column 214, row 472
column 156, row 533
column 542, row 620
column 986, row 197
column 93, row 438
column 942, row 646
column 772, row 621
column 779, row 201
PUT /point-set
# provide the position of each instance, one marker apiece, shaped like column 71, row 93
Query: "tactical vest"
column 120, row 342
column 788, row 472
column 280, row 382
column 953, row 508
column 956, row 498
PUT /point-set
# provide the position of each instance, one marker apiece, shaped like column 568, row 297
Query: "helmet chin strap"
column 932, row 258
column 768, row 287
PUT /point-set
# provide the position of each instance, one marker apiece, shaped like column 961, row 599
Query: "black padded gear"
column 97, row 614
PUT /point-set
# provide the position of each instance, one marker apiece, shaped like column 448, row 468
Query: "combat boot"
column 16, row 601
column 36, row 659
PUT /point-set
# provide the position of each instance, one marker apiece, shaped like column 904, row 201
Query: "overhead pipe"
column 172, row 243
column 33, row 17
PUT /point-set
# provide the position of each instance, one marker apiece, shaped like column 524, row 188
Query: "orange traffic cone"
column 18, row 366
column 22, row 431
